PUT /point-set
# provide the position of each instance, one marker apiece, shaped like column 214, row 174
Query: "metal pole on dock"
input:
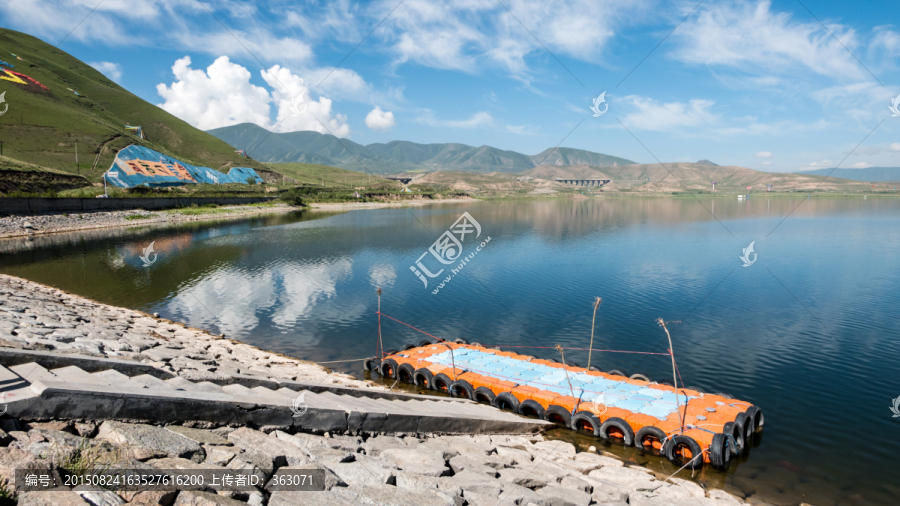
column 597, row 302
column 380, row 343
column 662, row 324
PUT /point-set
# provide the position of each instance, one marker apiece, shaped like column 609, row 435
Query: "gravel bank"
column 18, row 226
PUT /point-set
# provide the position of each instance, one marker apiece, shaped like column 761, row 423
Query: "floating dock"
column 690, row 428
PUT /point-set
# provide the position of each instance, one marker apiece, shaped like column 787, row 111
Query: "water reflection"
column 809, row 332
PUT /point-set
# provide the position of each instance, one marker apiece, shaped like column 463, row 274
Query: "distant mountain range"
column 869, row 174
column 396, row 156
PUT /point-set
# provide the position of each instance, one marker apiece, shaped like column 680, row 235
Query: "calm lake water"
column 809, row 331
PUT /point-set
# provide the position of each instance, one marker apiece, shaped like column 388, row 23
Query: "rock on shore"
column 387, row 470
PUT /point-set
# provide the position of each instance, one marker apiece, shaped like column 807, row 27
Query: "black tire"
column 390, row 352
column 697, row 389
column 476, row 343
column 720, row 451
column 460, row 341
column 389, row 368
column 558, row 415
column 756, row 414
column 644, row 439
column 616, row 372
column 674, row 452
column 425, row 342
column 586, row 422
column 441, row 382
column 737, row 437
column 746, row 425
column 552, row 360
column 406, row 373
column 408, row 347
column 462, row 388
column 722, row 394
column 594, row 368
column 666, row 383
column 423, row 378
column 531, row 409
column 620, row 425
column 373, row 364
column 573, row 364
column 484, row 394
column 639, row 376
column 506, row 401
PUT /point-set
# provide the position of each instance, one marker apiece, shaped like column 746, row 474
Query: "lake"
column 808, row 330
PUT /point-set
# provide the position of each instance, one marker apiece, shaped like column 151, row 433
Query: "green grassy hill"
column 396, row 156
column 41, row 127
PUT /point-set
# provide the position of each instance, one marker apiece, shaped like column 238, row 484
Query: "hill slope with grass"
column 396, row 156
column 42, row 124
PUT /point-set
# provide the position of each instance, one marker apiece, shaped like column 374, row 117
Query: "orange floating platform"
column 688, row 427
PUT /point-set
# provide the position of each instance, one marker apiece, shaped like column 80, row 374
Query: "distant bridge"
column 403, row 180
column 584, row 182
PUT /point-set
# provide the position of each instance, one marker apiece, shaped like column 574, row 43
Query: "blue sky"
column 768, row 85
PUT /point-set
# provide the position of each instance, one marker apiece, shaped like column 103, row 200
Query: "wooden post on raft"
column 380, row 342
column 597, row 302
column 662, row 324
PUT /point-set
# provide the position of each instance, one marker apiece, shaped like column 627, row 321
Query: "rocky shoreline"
column 404, row 469
column 27, row 226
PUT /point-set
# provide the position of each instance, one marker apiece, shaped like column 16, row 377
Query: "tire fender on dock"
column 558, row 415
column 585, row 421
column 507, row 401
column 720, row 451
column 531, row 408
column 423, row 377
column 617, row 424
column 484, row 394
column 462, row 388
column 406, row 373
column 675, row 448
column 389, row 368
column 441, row 382
column 646, row 436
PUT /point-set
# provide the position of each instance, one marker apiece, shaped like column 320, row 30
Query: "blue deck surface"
column 586, row 387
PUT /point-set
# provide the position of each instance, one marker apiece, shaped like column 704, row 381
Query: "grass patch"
column 138, row 216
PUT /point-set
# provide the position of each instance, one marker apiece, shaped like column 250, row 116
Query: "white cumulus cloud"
column 862, row 165
column 380, row 120
column 895, row 146
column 763, row 154
column 109, row 69
column 650, row 114
column 222, row 95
